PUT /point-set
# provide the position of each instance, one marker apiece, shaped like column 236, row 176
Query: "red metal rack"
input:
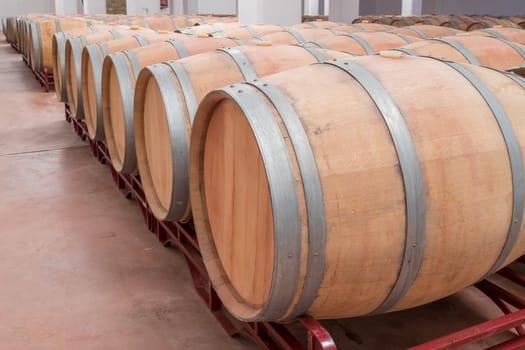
column 267, row 335
column 45, row 78
column 270, row 335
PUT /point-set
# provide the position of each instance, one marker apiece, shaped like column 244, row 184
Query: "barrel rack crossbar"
column 45, row 78
column 267, row 335
column 270, row 335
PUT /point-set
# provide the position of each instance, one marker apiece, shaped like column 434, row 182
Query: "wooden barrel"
column 297, row 212
column 519, row 20
column 233, row 30
column 317, row 25
column 59, row 54
column 119, row 75
column 91, row 72
column 402, row 21
column 519, row 70
column 488, row 22
column 42, row 38
column 442, row 21
column 169, row 93
column 510, row 34
column 477, row 50
column 461, row 22
column 364, row 43
column 424, row 31
column 362, row 27
column 73, row 63
column 290, row 36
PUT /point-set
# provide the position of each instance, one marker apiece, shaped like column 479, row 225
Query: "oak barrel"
column 91, row 72
column 424, row 31
column 73, row 62
column 166, row 98
column 357, row 187
column 511, row 34
column 119, row 75
column 478, row 50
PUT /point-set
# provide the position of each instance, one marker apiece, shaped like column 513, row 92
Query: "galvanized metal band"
column 515, row 47
column 418, row 31
column 83, row 40
column 494, row 33
column 94, row 29
column 462, row 49
column 316, row 43
column 115, row 34
column 58, row 27
column 179, row 142
column 298, row 37
column 103, row 48
column 517, row 78
column 284, row 198
column 313, row 193
column 38, row 51
column 76, row 59
column 358, row 26
column 96, row 64
column 120, row 65
column 141, row 40
column 180, row 47
column 368, row 49
column 189, row 23
column 412, row 180
column 252, row 32
column 134, row 62
column 189, row 31
column 146, row 23
column 311, row 24
column 186, row 86
column 319, row 56
column 216, row 28
column 406, row 51
column 406, row 38
column 242, row 61
column 61, row 60
column 174, row 21
column 515, row 158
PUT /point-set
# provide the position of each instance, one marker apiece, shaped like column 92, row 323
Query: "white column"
column 311, row 7
column 176, row 7
column 344, row 10
column 191, row 7
column 223, row 7
column 282, row 12
column 92, row 7
column 142, row 7
column 411, row 8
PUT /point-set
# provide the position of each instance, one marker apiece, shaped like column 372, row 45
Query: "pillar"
column 411, row 8
column 282, row 12
column 93, row 7
column 176, row 7
column 344, row 10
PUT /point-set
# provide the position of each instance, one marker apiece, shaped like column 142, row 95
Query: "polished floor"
column 79, row 270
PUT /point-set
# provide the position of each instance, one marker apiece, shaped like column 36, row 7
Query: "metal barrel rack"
column 267, row 335
column 45, row 78
column 270, row 335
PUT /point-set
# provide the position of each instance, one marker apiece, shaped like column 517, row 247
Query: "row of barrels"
column 33, row 33
column 467, row 23
column 312, row 166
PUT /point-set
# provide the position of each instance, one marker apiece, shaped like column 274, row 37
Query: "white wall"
column 344, row 10
column 381, row 7
column 176, row 7
column 142, row 7
column 283, row 12
column 93, row 7
column 68, row 7
column 16, row 7
column 216, row 7
column 475, row 7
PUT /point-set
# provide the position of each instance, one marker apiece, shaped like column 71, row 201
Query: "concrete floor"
column 79, row 269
